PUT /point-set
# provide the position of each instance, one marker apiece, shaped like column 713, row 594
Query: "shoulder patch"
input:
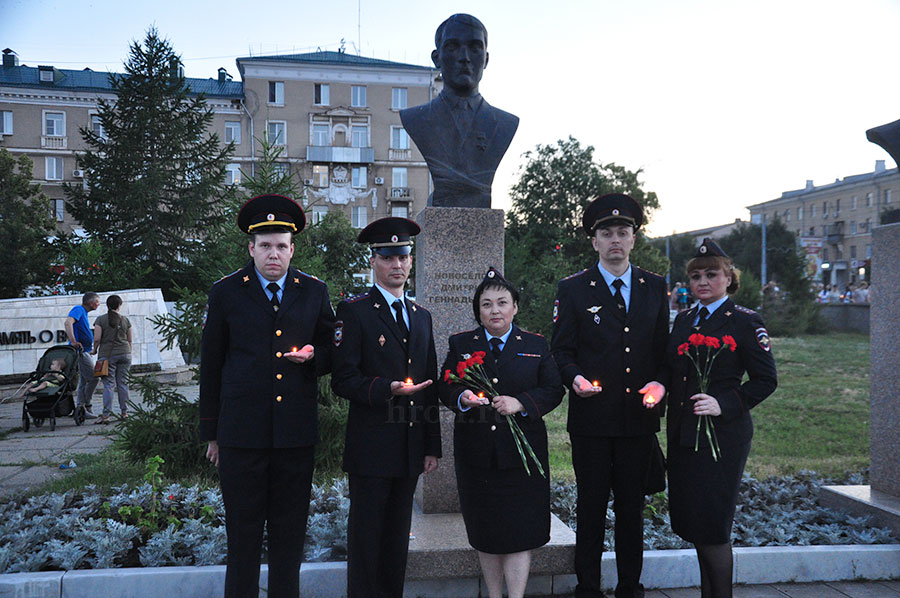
column 338, row 332
column 762, row 337
column 576, row 274
column 742, row 309
column 555, row 311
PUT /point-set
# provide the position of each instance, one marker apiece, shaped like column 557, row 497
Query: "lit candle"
column 480, row 395
column 293, row 349
column 408, row 382
column 650, row 400
column 596, row 383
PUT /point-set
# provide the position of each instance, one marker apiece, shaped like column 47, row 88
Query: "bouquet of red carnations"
column 470, row 373
column 710, row 347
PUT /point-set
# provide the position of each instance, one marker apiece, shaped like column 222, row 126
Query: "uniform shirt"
column 609, row 277
column 265, row 283
column 82, row 328
column 389, row 300
column 712, row 307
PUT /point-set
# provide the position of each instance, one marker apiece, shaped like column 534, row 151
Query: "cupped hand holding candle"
column 586, row 388
column 406, row 387
column 301, row 355
column 653, row 393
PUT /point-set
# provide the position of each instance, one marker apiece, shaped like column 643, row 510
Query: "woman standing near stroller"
column 112, row 341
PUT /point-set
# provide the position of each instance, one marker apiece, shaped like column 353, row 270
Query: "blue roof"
column 330, row 57
column 88, row 80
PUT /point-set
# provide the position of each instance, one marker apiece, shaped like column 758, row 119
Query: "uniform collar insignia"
column 476, row 337
column 413, row 307
column 246, row 279
column 727, row 313
column 381, row 340
column 593, row 283
column 377, row 305
column 518, row 338
column 641, row 280
column 296, row 281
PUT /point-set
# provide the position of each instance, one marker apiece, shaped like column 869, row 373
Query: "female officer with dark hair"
column 704, row 476
column 505, row 509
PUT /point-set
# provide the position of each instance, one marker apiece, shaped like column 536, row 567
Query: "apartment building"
column 834, row 222
column 335, row 115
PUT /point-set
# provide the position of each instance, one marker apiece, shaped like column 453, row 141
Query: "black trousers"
column 265, row 487
column 378, row 535
column 602, row 464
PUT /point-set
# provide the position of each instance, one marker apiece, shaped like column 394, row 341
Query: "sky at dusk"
column 720, row 104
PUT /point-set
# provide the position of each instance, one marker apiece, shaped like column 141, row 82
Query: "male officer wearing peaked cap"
column 266, row 338
column 610, row 328
column 385, row 365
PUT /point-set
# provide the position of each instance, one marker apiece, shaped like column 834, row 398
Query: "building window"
column 58, row 210
column 282, row 169
column 398, row 98
column 321, row 135
column 887, row 196
column 799, row 214
column 787, row 215
column 399, row 138
column 359, row 177
column 812, row 231
column 359, row 136
column 232, row 132
column 853, row 202
column 853, row 252
column 868, row 251
column 358, row 96
column 54, row 169
column 837, row 208
column 232, row 174
column 319, row 213
column 360, row 217
column 276, row 92
column 320, row 176
column 97, row 126
column 6, row 122
column 277, row 132
column 398, row 177
column 868, row 200
column 868, row 224
column 825, row 254
column 400, row 211
column 853, row 227
column 322, row 95
column 812, row 211
column 824, row 209
column 54, row 124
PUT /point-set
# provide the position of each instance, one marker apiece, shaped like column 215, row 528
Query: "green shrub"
column 333, row 412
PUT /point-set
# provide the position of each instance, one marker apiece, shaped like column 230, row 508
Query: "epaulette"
column 226, row 276
column 531, row 333
column 356, row 298
column 743, row 309
column 576, row 274
column 645, row 271
column 419, row 306
column 313, row 276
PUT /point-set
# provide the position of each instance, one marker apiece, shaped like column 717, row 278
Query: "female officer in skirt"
column 506, row 509
column 703, row 481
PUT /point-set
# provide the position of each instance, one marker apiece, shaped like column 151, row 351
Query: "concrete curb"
column 662, row 569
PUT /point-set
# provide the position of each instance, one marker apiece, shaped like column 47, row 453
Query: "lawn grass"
column 817, row 419
column 105, row 469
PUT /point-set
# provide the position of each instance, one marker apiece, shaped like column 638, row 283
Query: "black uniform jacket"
column 526, row 371
column 250, row 396
column 753, row 356
column 387, row 436
column 622, row 352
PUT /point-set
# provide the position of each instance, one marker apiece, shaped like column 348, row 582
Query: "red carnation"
column 478, row 357
column 696, row 339
column 446, row 375
column 711, row 341
column 729, row 342
column 683, row 348
column 461, row 369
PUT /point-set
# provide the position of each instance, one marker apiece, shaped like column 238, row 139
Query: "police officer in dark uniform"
column 703, row 486
column 266, row 338
column 610, row 329
column 385, row 365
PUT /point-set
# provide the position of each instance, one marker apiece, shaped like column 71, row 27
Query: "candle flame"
column 650, row 399
column 293, row 349
column 409, row 381
column 481, row 395
column 596, row 383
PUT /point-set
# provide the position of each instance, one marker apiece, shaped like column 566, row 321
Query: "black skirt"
column 703, row 493
column 505, row 510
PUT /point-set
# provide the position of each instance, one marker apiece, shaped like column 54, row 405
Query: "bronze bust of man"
column 461, row 136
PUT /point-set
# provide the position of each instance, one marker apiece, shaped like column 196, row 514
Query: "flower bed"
column 178, row 525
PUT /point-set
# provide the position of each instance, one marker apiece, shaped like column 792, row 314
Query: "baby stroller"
column 58, row 399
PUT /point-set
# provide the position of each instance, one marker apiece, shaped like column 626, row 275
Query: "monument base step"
column 439, row 549
column 862, row 500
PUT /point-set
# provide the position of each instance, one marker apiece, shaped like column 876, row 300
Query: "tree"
column 25, row 225
column 544, row 238
column 681, row 249
column 155, row 175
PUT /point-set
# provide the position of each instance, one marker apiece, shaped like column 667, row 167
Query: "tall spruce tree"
column 156, row 174
column 25, row 224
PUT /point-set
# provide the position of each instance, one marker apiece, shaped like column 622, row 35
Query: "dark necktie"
column 620, row 300
column 404, row 331
column 701, row 316
column 495, row 348
column 273, row 288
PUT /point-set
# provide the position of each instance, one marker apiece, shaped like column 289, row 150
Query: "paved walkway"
column 832, row 589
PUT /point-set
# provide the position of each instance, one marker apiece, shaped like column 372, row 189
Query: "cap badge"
column 703, row 249
column 393, row 238
column 491, row 274
column 270, row 217
column 615, row 212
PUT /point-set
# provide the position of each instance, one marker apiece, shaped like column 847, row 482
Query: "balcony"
column 402, row 194
column 348, row 155
column 399, row 154
column 834, row 233
column 49, row 142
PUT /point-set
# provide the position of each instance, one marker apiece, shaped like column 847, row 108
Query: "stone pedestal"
column 882, row 499
column 453, row 252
